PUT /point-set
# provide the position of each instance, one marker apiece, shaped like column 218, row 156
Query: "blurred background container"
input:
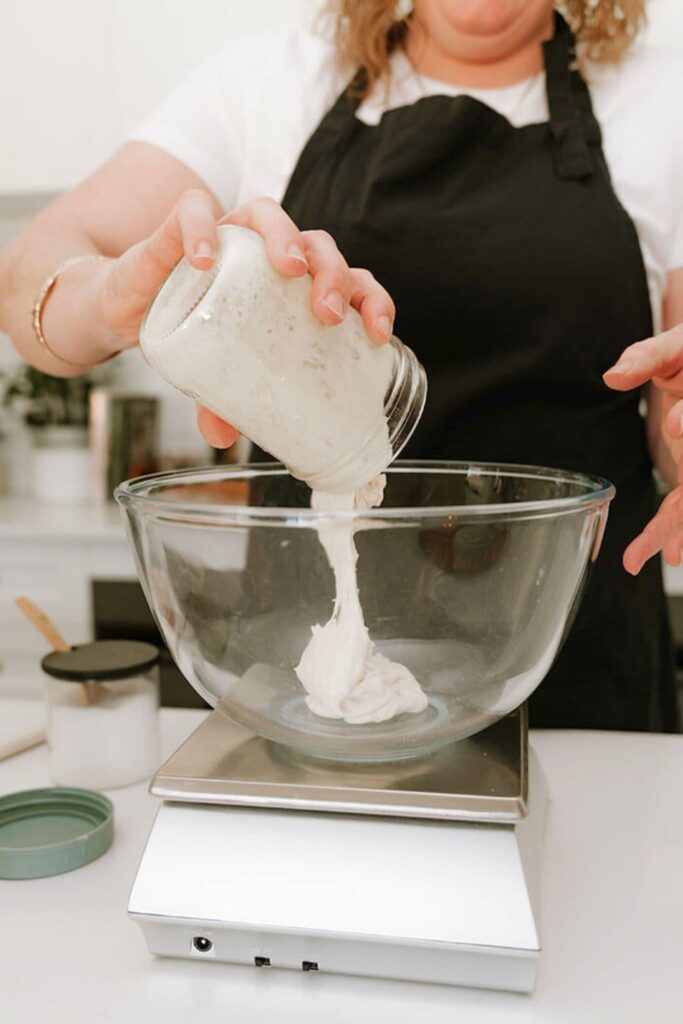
column 124, row 437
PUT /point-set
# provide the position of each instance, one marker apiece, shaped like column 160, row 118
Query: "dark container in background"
column 124, row 437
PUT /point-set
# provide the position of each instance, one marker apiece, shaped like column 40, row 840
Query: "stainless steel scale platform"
column 423, row 869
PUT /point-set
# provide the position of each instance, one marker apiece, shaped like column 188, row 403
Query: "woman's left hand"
column 660, row 361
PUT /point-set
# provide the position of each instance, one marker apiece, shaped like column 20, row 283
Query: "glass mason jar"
column 103, row 714
column 241, row 339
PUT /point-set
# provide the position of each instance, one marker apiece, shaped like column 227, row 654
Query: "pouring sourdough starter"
column 343, row 674
column 242, row 340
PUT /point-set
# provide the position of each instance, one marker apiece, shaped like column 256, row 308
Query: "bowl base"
column 405, row 737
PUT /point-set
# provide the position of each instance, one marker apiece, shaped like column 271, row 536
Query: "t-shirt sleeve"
column 204, row 120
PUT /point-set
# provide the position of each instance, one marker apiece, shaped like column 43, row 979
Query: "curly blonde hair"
column 366, row 31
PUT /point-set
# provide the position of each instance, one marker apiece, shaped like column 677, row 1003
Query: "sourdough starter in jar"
column 241, row 339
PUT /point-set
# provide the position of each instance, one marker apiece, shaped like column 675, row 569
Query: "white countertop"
column 612, row 916
column 29, row 517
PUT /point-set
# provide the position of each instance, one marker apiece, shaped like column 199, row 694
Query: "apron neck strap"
column 572, row 122
column 568, row 98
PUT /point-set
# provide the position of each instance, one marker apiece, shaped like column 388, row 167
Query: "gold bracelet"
column 39, row 304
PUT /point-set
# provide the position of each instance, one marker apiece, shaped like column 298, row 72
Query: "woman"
column 452, row 150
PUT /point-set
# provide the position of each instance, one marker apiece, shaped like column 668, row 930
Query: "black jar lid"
column 101, row 660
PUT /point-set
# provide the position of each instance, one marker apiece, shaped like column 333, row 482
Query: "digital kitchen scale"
column 425, row 869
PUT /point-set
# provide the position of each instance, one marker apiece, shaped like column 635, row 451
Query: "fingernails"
column 384, row 326
column 204, row 250
column 297, row 253
column 335, row 303
column 623, row 366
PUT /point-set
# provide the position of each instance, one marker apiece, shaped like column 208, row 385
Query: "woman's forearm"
column 112, row 212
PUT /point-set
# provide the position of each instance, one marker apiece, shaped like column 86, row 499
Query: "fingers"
column 197, row 223
column 190, row 229
column 659, row 358
column 666, row 525
column 283, row 239
column 673, row 421
column 638, row 552
column 135, row 276
column 335, row 287
column 374, row 304
column 332, row 285
column 216, row 431
column 673, row 549
column 293, row 253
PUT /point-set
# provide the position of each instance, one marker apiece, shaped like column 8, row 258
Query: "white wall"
column 665, row 22
column 77, row 75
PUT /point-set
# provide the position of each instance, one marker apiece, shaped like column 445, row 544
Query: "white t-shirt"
column 242, row 119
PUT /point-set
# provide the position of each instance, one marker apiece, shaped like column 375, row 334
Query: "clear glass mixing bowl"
column 468, row 574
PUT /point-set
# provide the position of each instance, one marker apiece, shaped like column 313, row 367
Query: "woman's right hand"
column 125, row 286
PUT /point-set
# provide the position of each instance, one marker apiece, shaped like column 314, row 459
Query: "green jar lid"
column 49, row 831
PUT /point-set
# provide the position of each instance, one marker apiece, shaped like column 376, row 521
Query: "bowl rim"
column 134, row 494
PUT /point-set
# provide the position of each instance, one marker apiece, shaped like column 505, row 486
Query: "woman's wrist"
column 67, row 323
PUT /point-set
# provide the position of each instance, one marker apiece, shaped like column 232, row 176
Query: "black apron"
column 518, row 280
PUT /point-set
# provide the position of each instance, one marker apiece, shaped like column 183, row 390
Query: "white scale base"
column 453, row 902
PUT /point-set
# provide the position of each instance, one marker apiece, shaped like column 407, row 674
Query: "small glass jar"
column 103, row 714
column 241, row 339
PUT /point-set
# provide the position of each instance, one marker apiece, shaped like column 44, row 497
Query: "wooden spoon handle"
column 18, row 746
column 43, row 624
column 54, row 638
